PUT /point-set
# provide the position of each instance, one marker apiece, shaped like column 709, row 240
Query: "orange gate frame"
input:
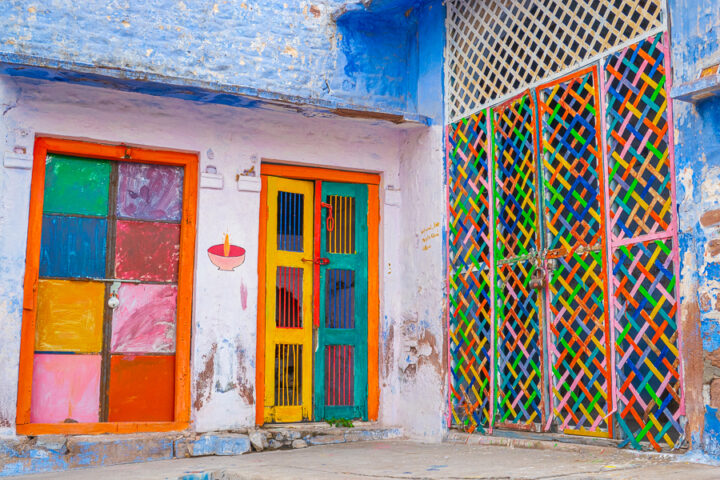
column 318, row 175
column 189, row 161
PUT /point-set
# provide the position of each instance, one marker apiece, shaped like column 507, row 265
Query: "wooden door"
column 288, row 300
column 109, row 230
column 341, row 375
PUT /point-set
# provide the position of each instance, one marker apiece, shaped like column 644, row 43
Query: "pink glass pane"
column 65, row 388
column 144, row 322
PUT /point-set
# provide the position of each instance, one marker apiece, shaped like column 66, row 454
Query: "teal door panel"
column 341, row 349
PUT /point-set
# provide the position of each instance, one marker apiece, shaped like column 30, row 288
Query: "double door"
column 316, row 300
column 552, row 331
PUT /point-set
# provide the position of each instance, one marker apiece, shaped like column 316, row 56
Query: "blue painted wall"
column 695, row 43
column 431, row 45
column 334, row 52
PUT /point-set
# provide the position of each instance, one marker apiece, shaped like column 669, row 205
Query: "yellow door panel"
column 288, row 301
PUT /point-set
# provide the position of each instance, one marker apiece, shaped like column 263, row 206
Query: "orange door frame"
column 189, row 161
column 328, row 175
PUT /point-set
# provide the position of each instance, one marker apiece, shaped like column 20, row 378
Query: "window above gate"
column 496, row 48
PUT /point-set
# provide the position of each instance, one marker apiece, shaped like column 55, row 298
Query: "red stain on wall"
column 147, row 251
column 243, row 295
column 142, row 388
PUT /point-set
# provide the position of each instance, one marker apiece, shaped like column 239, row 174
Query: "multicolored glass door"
column 288, row 300
column 106, row 309
column 341, row 350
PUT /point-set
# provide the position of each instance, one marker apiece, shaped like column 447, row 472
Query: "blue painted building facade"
column 334, row 54
column 347, row 85
column 695, row 48
column 291, row 68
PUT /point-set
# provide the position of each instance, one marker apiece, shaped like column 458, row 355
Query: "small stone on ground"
column 299, row 444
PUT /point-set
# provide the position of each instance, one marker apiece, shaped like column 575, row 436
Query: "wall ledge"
column 697, row 90
column 193, row 89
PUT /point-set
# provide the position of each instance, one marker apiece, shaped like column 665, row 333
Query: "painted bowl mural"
column 225, row 256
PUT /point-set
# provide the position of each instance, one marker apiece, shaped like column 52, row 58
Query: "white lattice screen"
column 497, row 47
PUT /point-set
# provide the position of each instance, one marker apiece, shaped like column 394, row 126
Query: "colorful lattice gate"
column 517, row 254
column 471, row 262
column 579, row 338
column 643, row 240
column 563, row 258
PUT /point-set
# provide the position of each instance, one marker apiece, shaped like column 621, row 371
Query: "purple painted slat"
column 149, row 192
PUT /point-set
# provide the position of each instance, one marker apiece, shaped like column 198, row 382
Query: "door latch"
column 318, row 260
column 330, row 220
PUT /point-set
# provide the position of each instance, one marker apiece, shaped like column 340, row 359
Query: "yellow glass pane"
column 69, row 316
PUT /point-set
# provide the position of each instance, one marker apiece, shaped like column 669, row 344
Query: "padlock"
column 113, row 301
column 537, row 280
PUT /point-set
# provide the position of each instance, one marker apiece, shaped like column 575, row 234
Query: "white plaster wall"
column 224, row 323
column 422, row 349
column 14, row 202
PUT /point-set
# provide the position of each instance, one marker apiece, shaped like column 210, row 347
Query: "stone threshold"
column 51, row 453
column 547, row 441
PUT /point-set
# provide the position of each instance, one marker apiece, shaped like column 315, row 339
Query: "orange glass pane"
column 69, row 316
column 142, row 388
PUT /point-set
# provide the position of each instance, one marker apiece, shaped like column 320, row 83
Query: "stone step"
column 51, row 453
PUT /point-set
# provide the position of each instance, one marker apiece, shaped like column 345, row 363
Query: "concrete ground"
column 399, row 459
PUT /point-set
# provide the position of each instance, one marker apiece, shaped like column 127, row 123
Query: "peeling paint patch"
column 428, row 343
column 709, row 188
column 225, row 367
column 204, row 379
column 387, row 355
column 711, row 438
column 246, row 388
column 710, row 218
column 292, row 51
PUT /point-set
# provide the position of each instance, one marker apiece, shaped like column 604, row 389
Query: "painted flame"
column 226, row 246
